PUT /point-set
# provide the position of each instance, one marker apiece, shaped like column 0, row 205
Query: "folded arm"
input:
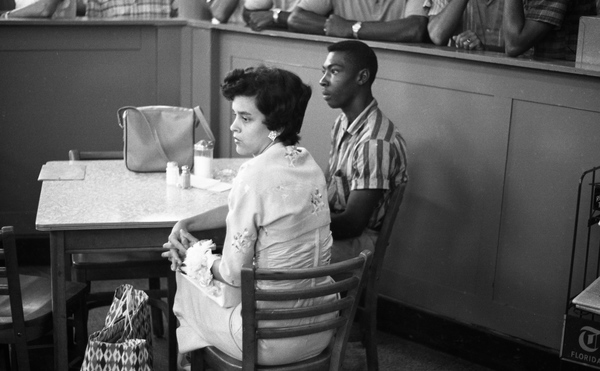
column 259, row 20
column 222, row 9
column 354, row 219
column 442, row 26
column 305, row 21
column 410, row 29
column 520, row 34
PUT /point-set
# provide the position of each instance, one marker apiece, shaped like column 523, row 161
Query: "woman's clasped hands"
column 179, row 241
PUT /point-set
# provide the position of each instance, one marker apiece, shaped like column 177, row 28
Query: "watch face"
column 355, row 28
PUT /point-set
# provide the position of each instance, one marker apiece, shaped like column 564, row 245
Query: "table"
column 111, row 208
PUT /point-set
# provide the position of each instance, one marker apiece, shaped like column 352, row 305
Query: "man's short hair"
column 359, row 53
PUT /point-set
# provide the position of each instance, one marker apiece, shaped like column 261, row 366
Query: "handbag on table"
column 125, row 341
column 155, row 135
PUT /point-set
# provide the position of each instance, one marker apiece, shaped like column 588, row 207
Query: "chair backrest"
column 76, row 155
column 383, row 240
column 10, row 286
column 349, row 287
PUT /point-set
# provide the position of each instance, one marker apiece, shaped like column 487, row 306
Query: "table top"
column 110, row 196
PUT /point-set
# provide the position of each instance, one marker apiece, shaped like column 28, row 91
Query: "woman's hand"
column 172, row 254
column 179, row 241
column 175, row 238
column 467, row 40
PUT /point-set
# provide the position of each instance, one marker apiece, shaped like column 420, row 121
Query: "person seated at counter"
column 384, row 20
column 262, row 14
column 32, row 9
column 277, row 217
column 550, row 27
column 467, row 24
column 368, row 154
column 226, row 11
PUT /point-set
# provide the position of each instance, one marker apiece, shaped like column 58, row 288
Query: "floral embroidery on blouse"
column 243, row 241
column 317, row 201
column 292, row 154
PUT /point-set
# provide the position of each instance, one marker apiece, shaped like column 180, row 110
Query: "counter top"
column 424, row 49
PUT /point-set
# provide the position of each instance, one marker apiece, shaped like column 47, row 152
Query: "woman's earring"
column 272, row 135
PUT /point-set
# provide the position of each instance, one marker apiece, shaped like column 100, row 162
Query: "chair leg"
column 5, row 355
column 197, row 360
column 172, row 322
column 369, row 327
column 157, row 320
column 81, row 331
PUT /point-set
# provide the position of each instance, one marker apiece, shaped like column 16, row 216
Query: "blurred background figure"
column 466, row 24
column 262, row 14
column 550, row 27
column 38, row 9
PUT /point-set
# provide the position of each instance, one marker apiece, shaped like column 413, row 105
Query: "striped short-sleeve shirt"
column 368, row 153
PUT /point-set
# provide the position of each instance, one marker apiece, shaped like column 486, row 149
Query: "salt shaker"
column 172, row 173
column 184, row 179
column 203, row 155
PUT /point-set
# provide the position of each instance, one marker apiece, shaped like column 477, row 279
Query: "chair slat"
column 293, row 313
column 263, row 274
column 319, row 291
column 3, row 272
column 313, row 328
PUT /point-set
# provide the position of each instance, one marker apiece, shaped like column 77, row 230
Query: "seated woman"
column 277, row 217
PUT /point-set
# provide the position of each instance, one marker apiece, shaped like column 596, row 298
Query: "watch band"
column 355, row 28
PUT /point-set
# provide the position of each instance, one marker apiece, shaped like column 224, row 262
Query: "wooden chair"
column 26, row 306
column 367, row 308
column 332, row 357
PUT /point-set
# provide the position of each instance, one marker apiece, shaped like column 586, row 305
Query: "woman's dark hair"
column 280, row 95
column 359, row 54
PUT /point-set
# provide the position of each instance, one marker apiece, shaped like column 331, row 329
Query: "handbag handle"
column 126, row 293
column 128, row 305
column 204, row 123
column 120, row 113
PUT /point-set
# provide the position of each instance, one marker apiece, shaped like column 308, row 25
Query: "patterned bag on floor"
column 125, row 342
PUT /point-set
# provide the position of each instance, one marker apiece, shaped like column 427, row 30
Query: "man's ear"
column 363, row 76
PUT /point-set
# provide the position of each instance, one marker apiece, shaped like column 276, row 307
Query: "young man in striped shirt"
column 368, row 155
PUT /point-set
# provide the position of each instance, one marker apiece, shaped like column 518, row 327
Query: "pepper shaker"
column 184, row 179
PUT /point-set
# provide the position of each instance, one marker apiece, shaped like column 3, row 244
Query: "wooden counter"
column 496, row 145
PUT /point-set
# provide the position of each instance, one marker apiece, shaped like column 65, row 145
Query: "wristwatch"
column 355, row 28
column 276, row 12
